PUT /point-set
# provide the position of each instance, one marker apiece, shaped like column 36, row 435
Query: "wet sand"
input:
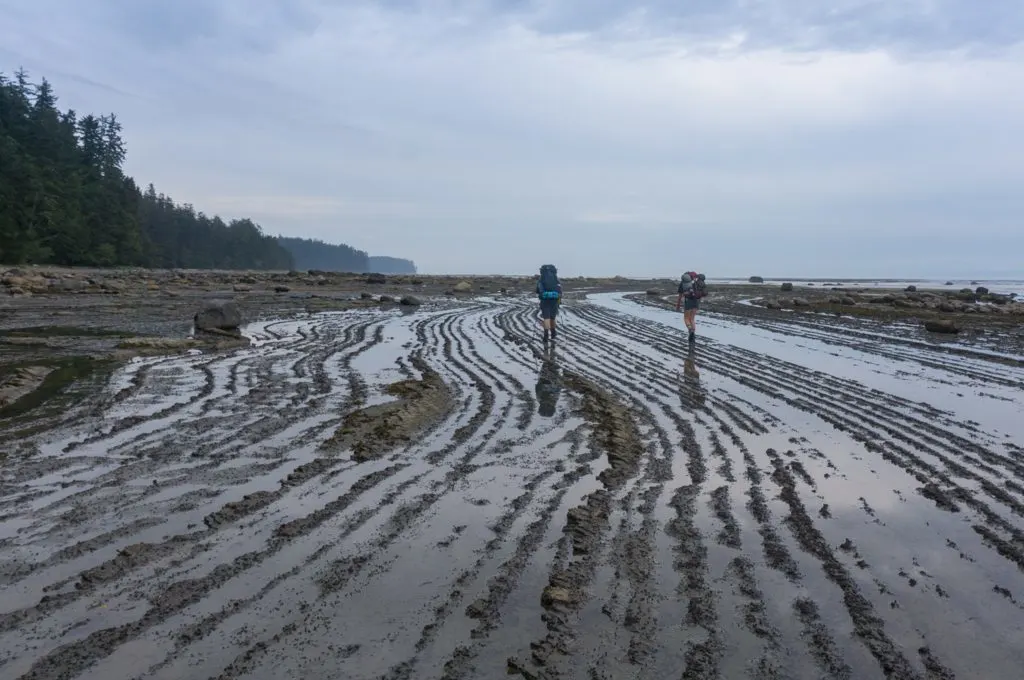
column 373, row 493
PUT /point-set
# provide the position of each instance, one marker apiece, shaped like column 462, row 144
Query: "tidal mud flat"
column 371, row 491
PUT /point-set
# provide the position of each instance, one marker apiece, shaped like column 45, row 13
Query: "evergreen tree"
column 64, row 198
column 315, row 254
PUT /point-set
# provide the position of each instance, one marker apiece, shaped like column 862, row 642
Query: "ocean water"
column 1002, row 286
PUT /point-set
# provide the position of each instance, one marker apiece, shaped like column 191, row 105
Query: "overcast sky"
column 736, row 137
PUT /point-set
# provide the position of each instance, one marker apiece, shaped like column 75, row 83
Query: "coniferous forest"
column 65, row 200
column 315, row 254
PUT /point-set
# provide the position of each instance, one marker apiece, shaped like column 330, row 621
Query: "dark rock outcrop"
column 947, row 326
column 220, row 317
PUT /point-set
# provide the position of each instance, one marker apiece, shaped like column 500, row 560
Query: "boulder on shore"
column 220, row 317
column 947, row 326
column 756, row 279
column 786, row 287
column 376, row 279
column 981, row 290
column 463, row 287
column 410, row 301
column 654, row 293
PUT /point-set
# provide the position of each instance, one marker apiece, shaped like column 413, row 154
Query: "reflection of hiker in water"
column 549, row 384
column 691, row 394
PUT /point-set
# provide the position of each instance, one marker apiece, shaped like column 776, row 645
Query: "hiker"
column 692, row 287
column 549, row 291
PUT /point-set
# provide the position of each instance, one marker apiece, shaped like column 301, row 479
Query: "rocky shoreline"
column 60, row 324
column 940, row 311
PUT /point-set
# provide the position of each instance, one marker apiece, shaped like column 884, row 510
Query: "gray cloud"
column 914, row 25
column 871, row 138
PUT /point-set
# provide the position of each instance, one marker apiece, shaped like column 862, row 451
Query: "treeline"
column 391, row 265
column 65, row 200
column 316, row 254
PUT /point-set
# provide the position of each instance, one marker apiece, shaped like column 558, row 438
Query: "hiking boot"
column 693, row 336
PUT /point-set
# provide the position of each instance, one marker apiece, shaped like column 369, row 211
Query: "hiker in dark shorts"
column 549, row 292
column 691, row 289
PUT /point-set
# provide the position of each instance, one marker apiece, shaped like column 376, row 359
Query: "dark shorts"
column 548, row 309
column 690, row 303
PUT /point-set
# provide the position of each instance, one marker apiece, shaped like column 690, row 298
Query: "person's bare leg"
column 691, row 322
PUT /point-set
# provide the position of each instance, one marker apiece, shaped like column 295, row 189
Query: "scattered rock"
column 654, row 293
column 801, row 302
column 463, row 287
column 386, row 299
column 366, row 296
column 376, row 430
column 787, row 287
column 947, row 326
column 282, row 289
column 554, row 595
column 410, row 301
column 223, row 316
column 20, row 382
column 981, row 290
column 756, row 279
column 376, row 279
column 911, row 289
column 68, row 285
column 478, row 609
column 28, row 284
column 241, row 288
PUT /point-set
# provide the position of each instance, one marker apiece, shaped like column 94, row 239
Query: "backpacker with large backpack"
column 548, row 284
column 697, row 287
